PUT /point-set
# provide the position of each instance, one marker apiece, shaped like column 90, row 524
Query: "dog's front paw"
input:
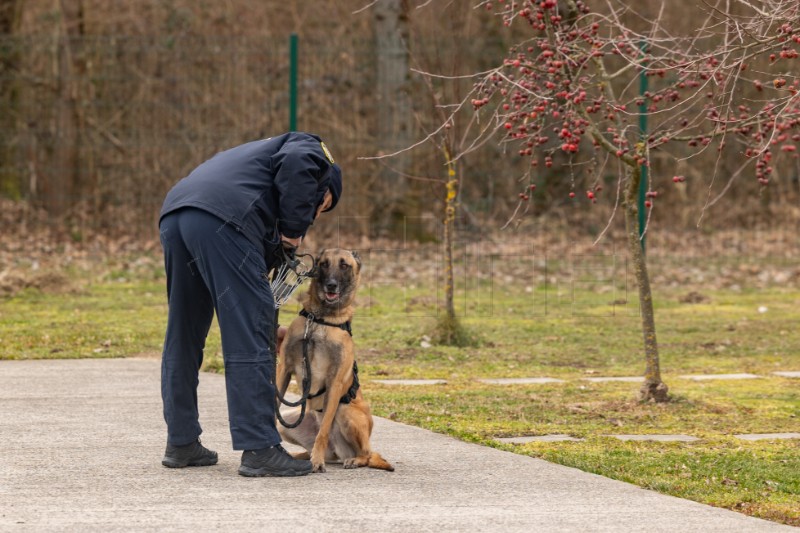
column 318, row 459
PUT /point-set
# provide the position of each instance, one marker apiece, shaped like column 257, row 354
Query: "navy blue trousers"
column 212, row 267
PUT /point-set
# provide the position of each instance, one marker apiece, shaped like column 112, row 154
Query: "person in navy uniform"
column 222, row 228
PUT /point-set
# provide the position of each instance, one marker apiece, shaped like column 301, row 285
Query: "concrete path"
column 82, row 443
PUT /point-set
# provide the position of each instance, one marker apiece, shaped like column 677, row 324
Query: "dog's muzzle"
column 331, row 290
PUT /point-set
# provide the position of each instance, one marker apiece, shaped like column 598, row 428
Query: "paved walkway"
column 82, row 443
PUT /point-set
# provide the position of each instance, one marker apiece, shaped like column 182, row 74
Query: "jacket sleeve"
column 298, row 172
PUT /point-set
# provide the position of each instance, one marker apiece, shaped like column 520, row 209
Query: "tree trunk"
column 10, row 16
column 653, row 388
column 61, row 188
column 448, row 329
column 449, row 220
column 394, row 112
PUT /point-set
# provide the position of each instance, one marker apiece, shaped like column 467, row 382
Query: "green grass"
column 117, row 313
column 566, row 330
column 101, row 320
column 756, row 478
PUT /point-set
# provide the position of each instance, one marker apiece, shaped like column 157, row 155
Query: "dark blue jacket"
column 263, row 188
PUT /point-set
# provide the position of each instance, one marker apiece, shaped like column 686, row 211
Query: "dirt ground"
column 58, row 259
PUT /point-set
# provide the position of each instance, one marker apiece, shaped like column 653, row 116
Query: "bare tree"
column 570, row 92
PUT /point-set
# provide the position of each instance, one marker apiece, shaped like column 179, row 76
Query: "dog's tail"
column 376, row 461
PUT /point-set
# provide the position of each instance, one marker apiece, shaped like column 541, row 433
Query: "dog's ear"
column 316, row 268
column 357, row 258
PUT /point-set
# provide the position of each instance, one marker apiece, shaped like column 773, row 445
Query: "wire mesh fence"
column 95, row 129
column 101, row 127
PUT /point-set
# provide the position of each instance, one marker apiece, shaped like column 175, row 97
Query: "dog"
column 337, row 423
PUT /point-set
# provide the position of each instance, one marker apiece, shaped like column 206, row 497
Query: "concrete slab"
column 767, row 436
column 657, row 438
column 626, row 379
column 537, row 438
column 788, row 374
column 704, row 377
column 82, row 442
column 410, row 381
column 520, row 381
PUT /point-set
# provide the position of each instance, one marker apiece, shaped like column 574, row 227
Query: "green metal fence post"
column 643, row 185
column 293, row 82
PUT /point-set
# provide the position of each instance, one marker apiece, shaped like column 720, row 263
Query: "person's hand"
column 281, row 336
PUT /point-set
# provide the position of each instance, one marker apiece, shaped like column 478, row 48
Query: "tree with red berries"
column 570, row 93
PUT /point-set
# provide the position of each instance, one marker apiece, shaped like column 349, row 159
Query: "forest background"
column 105, row 105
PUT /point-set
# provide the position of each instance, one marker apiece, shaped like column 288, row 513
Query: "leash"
column 306, row 388
column 287, row 276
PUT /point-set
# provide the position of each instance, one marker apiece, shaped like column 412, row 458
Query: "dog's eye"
column 344, row 265
column 325, row 264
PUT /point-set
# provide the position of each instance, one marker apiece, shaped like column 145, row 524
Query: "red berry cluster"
column 555, row 96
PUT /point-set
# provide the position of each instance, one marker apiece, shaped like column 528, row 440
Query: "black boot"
column 274, row 461
column 194, row 454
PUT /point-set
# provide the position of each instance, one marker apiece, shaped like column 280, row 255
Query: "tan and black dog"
column 337, row 423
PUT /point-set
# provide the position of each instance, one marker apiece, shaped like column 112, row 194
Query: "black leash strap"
column 350, row 395
column 306, row 393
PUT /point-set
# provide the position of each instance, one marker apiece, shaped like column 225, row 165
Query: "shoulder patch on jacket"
column 327, row 152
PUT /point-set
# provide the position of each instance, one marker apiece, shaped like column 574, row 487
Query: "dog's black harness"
column 306, row 395
column 310, row 316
